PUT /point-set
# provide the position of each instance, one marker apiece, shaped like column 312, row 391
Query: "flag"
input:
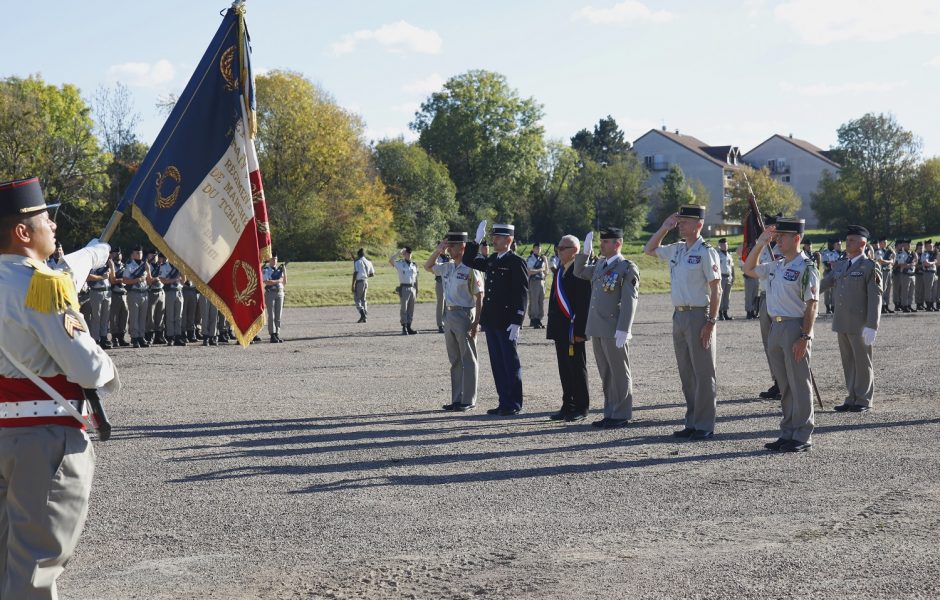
column 198, row 194
column 753, row 227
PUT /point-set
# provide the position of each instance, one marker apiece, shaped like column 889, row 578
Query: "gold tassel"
column 571, row 350
column 50, row 291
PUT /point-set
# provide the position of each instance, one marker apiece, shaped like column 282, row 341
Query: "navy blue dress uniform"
column 568, row 307
column 504, row 303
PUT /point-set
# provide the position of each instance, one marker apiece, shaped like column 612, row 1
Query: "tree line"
column 481, row 153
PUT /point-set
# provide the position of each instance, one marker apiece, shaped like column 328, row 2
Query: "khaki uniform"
column 536, row 288
column 136, row 299
column 789, row 286
column 408, row 292
column 461, row 285
column 690, row 271
column 614, row 294
column 363, row 269
column 727, row 279
column 856, row 286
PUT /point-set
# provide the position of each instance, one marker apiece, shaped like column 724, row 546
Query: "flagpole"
column 111, row 227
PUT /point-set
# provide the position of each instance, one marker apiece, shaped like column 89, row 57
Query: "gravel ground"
column 323, row 468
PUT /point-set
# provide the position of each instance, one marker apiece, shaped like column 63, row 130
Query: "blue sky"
column 725, row 71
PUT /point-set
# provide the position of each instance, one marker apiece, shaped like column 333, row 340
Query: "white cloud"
column 623, row 12
column 394, row 37
column 431, row 83
column 406, row 108
column 839, row 89
column 146, row 75
column 822, row 23
column 934, row 62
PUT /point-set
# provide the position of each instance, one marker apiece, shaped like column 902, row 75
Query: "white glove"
column 481, row 231
column 588, row 243
column 868, row 334
column 81, row 262
column 622, row 337
column 513, row 332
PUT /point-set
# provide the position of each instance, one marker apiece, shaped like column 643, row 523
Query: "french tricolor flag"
column 198, row 193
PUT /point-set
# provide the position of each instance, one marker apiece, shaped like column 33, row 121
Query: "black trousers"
column 575, row 397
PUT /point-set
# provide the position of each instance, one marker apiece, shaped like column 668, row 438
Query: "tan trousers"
column 856, row 365
column 41, row 517
column 887, row 285
column 462, row 353
column 930, row 286
column 793, row 378
column 696, row 369
column 613, row 365
column 763, row 317
column 439, row 301
column 536, row 299
column 407, row 308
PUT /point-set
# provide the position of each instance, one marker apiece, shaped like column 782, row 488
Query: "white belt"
column 36, row 408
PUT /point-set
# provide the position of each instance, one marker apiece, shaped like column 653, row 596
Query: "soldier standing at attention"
column 136, row 277
column 568, row 307
column 362, row 271
column 504, row 304
column 614, row 289
column 439, row 306
column 919, row 277
column 726, row 260
column 190, row 310
column 46, row 459
column 792, row 298
column 210, row 321
column 830, row 257
column 274, row 279
column 928, row 261
column 463, row 295
column 172, row 281
column 156, row 303
column 118, row 317
column 856, row 281
column 99, row 303
column 908, row 268
column 407, row 287
column 537, row 267
column 884, row 258
column 695, row 280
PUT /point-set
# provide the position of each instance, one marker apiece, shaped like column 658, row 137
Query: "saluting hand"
column 588, row 246
column 481, row 231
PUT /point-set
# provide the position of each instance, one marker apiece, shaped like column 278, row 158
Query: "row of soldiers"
column 153, row 302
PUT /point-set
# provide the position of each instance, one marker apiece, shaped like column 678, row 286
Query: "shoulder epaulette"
column 706, row 244
column 50, row 291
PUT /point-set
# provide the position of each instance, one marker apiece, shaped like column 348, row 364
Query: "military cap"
column 790, row 225
column 770, row 219
column 692, row 211
column 503, row 229
column 917, row 244
column 407, row 249
column 137, row 248
column 857, row 230
column 456, row 236
column 928, row 241
column 612, row 233
column 22, row 197
column 723, row 241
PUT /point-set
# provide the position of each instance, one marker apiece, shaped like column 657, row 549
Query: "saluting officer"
column 504, row 305
column 274, row 278
column 407, row 287
column 136, row 277
column 856, row 285
column 884, row 258
column 439, row 303
column 695, row 279
column 463, row 299
column 615, row 283
column 792, row 297
column 46, row 459
column 770, row 253
column 726, row 259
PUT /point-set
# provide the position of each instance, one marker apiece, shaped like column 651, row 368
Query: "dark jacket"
column 507, row 286
column 578, row 293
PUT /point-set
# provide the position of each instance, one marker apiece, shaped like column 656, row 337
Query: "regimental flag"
column 198, row 193
column 753, row 226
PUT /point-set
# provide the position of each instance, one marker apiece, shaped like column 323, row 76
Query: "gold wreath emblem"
column 257, row 194
column 225, row 66
column 173, row 173
column 263, row 227
column 244, row 296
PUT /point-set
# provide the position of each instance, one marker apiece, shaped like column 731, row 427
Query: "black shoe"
column 683, row 433
column 575, row 417
column 451, row 406
column 148, row 337
column 795, row 446
column 842, row 408
column 890, row 312
column 558, row 416
column 699, row 434
column 213, row 341
column 106, row 344
column 135, row 342
column 361, row 320
column 508, row 412
column 493, row 411
column 616, row 423
column 273, row 339
column 278, row 336
column 772, row 393
column 464, row 407
column 404, row 330
column 411, row 331
column 776, row 446
column 205, row 341
column 440, row 329
column 122, row 342
column 144, row 343
column 728, row 317
column 859, row 408
column 884, row 309
column 179, row 341
column 600, row 423
column 223, row 338
column 159, row 339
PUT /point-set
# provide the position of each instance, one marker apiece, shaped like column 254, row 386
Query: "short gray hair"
column 571, row 240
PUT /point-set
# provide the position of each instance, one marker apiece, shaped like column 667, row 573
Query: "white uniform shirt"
column 690, row 271
column 786, row 294
column 130, row 272
column 363, row 268
column 725, row 259
column 267, row 272
column 461, row 283
column 407, row 271
column 531, row 263
column 767, row 255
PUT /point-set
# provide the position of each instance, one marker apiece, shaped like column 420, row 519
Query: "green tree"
column 555, row 211
column 47, row 132
column 324, row 195
column 604, row 145
column 924, row 194
column 673, row 193
column 836, row 201
column 772, row 196
column 616, row 190
column 490, row 140
column 424, row 199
